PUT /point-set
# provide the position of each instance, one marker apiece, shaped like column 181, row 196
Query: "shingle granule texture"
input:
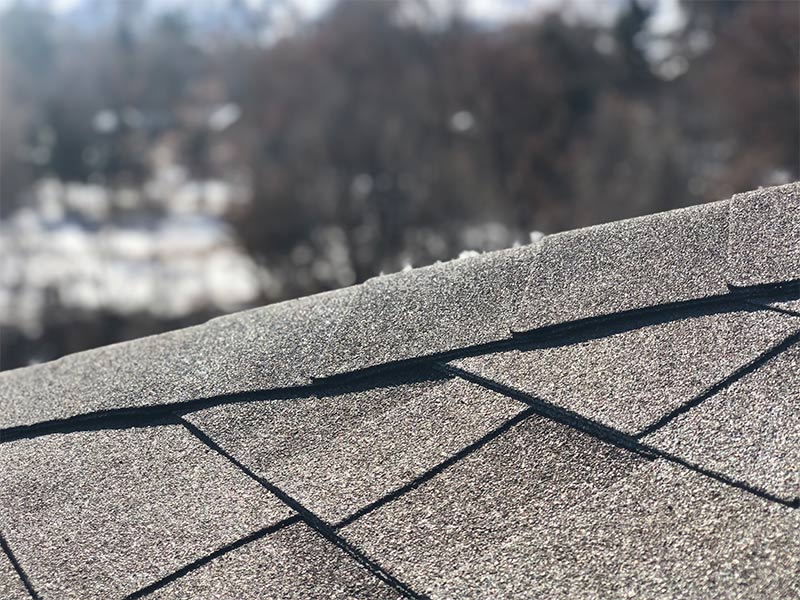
column 295, row 563
column 629, row 379
column 629, row 265
column 536, row 470
column 447, row 306
column 100, row 514
column 341, row 452
column 662, row 532
column 764, row 242
column 749, row 431
column 266, row 348
column 610, row 413
column 11, row 587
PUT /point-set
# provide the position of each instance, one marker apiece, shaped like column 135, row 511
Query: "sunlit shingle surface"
column 611, row 413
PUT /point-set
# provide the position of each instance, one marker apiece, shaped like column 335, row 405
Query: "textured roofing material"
column 338, row 453
column 764, row 242
column 612, row 413
column 629, row 378
column 266, row 348
column 750, row 430
column 629, row 265
column 11, row 586
column 99, row 514
column 465, row 302
column 293, row 563
column 537, row 468
column 661, row 532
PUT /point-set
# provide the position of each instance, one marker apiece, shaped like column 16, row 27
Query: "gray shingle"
column 764, row 242
column 338, row 453
column 631, row 378
column 271, row 347
column 535, row 470
column 294, row 563
column 100, row 514
column 662, row 532
column 11, row 587
column 426, row 311
column 749, row 431
column 787, row 300
column 628, row 265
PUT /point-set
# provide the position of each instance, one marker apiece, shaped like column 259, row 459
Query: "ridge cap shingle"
column 684, row 255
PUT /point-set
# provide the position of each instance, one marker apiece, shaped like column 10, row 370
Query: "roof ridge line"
column 143, row 415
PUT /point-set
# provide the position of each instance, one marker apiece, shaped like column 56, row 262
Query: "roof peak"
column 713, row 252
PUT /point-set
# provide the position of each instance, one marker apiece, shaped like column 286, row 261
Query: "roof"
column 610, row 412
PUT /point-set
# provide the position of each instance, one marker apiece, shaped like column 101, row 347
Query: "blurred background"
column 166, row 161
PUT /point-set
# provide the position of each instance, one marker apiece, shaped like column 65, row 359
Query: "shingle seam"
column 160, row 414
column 437, row 469
column 734, row 295
column 137, row 416
column 738, row 374
column 614, row 323
column 319, row 525
column 194, row 565
column 778, row 309
column 555, row 332
column 26, row 582
column 613, row 436
column 555, row 413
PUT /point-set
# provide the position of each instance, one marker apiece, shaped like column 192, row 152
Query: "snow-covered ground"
column 82, row 246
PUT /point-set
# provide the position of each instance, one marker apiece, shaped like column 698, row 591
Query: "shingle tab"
column 749, row 431
column 294, row 563
column 338, row 453
column 629, row 265
column 662, row 532
column 628, row 379
column 447, row 306
column 764, row 244
column 11, row 587
column 272, row 347
column 100, row 514
column 535, row 470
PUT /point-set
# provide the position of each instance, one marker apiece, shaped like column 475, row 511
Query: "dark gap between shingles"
column 161, row 414
column 390, row 497
column 186, row 569
column 561, row 334
column 556, row 413
column 613, row 436
column 437, row 469
column 738, row 374
column 778, row 309
column 315, row 522
column 26, row 582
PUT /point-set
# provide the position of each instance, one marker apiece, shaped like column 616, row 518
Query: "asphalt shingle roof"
column 764, row 231
column 99, row 514
column 750, row 430
column 293, row 563
column 630, row 378
column 612, row 412
column 341, row 452
column 626, row 266
column 661, row 532
column 11, row 586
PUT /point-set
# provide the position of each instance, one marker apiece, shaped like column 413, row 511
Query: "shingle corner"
column 428, row 311
column 764, row 238
column 629, row 265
